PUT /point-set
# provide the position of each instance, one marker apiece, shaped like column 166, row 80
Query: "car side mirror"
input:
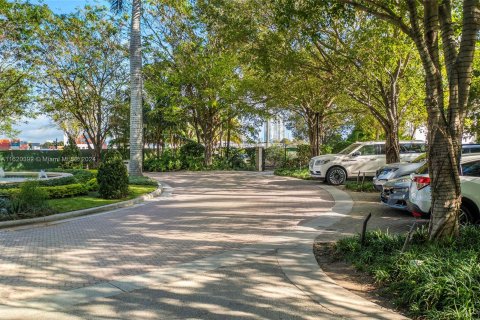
column 356, row 154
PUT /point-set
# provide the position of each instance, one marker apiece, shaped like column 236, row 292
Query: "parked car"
column 419, row 201
column 395, row 192
column 360, row 157
column 396, row 170
column 400, row 169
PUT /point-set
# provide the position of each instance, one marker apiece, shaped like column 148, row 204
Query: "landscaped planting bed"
column 35, row 199
column 429, row 280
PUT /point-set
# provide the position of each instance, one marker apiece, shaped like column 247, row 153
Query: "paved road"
column 206, row 215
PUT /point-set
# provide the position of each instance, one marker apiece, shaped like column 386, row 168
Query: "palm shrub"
column 30, row 201
column 112, row 177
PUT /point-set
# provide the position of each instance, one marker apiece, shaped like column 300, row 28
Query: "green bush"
column 112, row 177
column 44, row 183
column 142, row 181
column 191, row 156
column 30, row 201
column 296, row 173
column 366, row 186
column 92, row 185
column 71, row 156
column 53, row 192
column 432, row 280
column 168, row 161
column 67, row 191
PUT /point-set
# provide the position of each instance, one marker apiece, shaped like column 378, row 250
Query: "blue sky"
column 42, row 128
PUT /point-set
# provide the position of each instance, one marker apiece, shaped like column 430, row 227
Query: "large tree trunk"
column 392, row 144
column 208, row 152
column 445, row 125
column 136, row 118
column 313, row 134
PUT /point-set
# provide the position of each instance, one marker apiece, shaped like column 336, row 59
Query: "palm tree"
column 136, row 118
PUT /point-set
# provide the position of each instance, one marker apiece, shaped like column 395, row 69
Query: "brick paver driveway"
column 206, row 214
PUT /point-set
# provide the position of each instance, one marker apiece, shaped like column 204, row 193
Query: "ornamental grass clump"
column 112, row 177
column 429, row 279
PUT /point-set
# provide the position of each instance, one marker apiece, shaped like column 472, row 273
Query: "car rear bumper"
column 416, row 211
column 394, row 200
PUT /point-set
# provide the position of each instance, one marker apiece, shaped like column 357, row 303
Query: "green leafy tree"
column 18, row 24
column 445, row 35
column 83, row 72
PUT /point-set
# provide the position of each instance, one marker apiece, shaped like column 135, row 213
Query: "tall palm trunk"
column 136, row 118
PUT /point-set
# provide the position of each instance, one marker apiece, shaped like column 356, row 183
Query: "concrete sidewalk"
column 274, row 278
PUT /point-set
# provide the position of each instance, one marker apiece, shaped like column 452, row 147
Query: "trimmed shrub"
column 54, row 192
column 67, row 191
column 92, row 185
column 112, row 177
column 43, row 183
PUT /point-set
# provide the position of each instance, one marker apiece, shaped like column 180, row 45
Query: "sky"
column 42, row 128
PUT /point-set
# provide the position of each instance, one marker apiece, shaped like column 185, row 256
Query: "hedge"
column 44, row 183
column 54, row 192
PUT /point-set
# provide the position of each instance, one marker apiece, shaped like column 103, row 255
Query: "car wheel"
column 466, row 216
column 336, row 176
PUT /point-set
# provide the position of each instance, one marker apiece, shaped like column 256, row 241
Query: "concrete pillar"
column 259, row 158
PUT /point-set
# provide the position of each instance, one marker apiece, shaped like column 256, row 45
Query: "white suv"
column 360, row 157
column 420, row 199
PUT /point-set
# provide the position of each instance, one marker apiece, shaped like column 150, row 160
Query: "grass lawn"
column 92, row 200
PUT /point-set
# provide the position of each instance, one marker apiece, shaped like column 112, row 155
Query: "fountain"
column 16, row 177
column 42, row 174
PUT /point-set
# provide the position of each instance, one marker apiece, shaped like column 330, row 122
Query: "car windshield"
column 350, row 148
column 420, row 158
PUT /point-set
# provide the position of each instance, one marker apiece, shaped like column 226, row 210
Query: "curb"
column 83, row 212
column 301, row 268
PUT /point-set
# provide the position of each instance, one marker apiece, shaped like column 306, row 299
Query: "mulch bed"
column 345, row 275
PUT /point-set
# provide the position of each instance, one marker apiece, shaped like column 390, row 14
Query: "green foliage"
column 296, row 173
column 66, row 191
column 191, row 156
column 143, row 181
column 168, row 161
column 30, row 201
column 92, row 185
column 366, row 186
column 43, row 183
column 112, row 177
column 275, row 156
column 433, row 280
column 303, row 154
column 71, row 158
column 81, row 175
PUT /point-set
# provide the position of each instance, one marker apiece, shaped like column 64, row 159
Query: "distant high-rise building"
column 274, row 130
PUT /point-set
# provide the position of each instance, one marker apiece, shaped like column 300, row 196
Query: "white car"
column 401, row 169
column 420, row 198
column 360, row 157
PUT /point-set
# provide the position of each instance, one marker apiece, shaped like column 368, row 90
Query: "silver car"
column 400, row 169
column 396, row 170
column 395, row 192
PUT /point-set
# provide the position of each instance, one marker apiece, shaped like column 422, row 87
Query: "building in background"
column 274, row 131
